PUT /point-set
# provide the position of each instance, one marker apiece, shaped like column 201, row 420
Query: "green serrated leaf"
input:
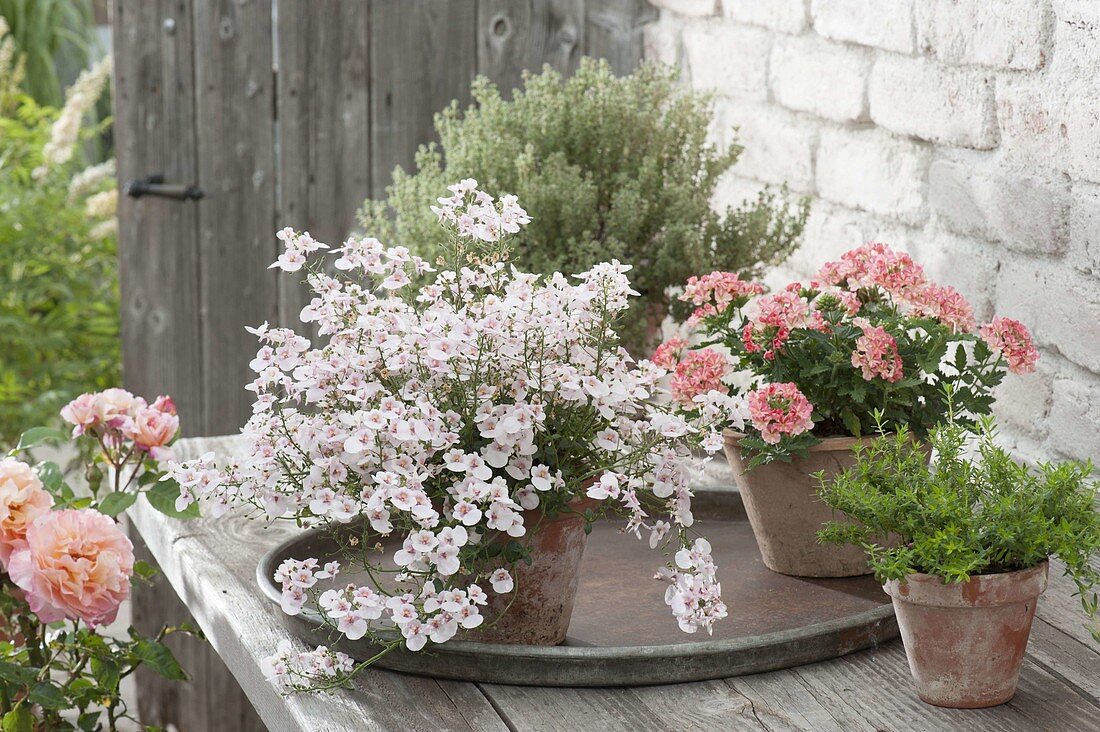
column 50, row 475
column 36, row 436
column 158, row 657
column 19, row 719
column 106, row 673
column 162, row 496
column 17, row 674
column 88, row 721
column 48, row 695
column 115, row 503
column 145, row 570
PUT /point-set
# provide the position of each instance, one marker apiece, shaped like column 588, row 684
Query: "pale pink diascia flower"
column 1011, row 339
column 697, row 373
column 876, row 354
column 74, row 564
column 667, row 354
column 780, row 409
column 23, row 499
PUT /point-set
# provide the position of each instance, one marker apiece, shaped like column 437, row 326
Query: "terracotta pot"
column 786, row 513
column 965, row 642
column 537, row 612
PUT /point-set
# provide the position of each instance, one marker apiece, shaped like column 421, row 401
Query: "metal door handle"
column 154, row 185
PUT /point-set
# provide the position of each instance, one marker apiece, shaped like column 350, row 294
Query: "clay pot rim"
column 828, row 444
column 983, row 590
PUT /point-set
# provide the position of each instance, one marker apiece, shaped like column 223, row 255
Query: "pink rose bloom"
column 113, row 405
column 75, row 565
column 668, row 353
column 81, row 412
column 1012, row 340
column 699, row 372
column 876, row 354
column 23, row 498
column 151, row 430
column 780, row 409
column 164, row 404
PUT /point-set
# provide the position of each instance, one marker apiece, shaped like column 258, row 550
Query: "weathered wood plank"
column 518, row 35
column 1063, row 656
column 324, row 125
column 613, row 30
column 158, row 238
column 212, row 564
column 423, row 55
column 236, row 142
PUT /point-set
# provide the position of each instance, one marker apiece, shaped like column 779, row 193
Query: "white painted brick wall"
column 931, row 101
column 882, row 23
column 788, row 16
column 966, row 132
column 873, row 171
column 821, row 77
column 1009, row 34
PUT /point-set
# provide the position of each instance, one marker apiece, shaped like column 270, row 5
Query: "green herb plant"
column 609, row 168
column 58, row 267
column 973, row 510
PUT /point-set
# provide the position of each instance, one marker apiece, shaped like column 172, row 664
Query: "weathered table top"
column 212, row 564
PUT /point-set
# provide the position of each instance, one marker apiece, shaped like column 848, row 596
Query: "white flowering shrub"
column 440, row 407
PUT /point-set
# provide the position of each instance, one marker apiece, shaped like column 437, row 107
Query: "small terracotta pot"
column 537, row 612
column 786, row 513
column 965, row 642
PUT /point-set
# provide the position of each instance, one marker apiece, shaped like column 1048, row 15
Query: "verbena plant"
column 870, row 333
column 965, row 514
column 58, row 281
column 610, row 168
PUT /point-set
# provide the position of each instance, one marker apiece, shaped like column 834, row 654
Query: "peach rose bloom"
column 111, row 405
column 152, row 430
column 75, row 564
column 23, row 498
column 80, row 412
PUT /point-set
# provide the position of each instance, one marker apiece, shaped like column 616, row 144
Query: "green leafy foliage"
column 55, row 38
column 58, row 282
column 608, row 168
column 965, row 515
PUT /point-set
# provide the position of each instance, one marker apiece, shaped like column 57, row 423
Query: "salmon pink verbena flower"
column 780, row 409
column 876, row 355
column 1012, row 340
column 946, row 305
column 874, row 265
column 697, row 373
column 75, row 565
column 668, row 353
column 773, row 319
column 23, row 499
column 719, row 289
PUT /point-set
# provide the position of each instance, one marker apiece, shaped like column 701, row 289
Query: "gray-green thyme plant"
column 608, row 167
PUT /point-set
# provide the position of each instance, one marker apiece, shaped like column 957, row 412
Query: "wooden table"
column 212, row 564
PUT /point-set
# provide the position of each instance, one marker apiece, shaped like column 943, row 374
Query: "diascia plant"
column 870, row 334
column 67, row 566
column 437, row 414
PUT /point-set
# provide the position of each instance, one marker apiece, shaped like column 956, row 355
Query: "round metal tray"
column 622, row 633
